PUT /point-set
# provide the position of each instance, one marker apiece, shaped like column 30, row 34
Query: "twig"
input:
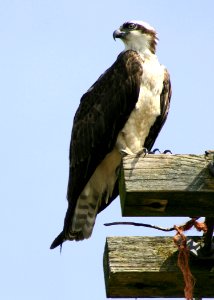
column 189, row 224
column 140, row 224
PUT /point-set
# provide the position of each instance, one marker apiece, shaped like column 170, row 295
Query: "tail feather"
column 79, row 223
column 58, row 241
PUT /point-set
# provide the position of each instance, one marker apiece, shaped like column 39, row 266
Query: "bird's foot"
column 144, row 151
column 126, row 151
column 157, row 150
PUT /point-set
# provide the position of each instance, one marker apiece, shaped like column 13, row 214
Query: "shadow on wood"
column 140, row 267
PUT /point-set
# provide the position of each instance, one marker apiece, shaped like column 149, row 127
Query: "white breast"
column 132, row 137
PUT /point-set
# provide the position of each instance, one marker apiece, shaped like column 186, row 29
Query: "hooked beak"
column 119, row 34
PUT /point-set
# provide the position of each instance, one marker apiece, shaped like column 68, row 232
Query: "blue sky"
column 50, row 54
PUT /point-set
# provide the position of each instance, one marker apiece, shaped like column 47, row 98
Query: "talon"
column 143, row 151
column 157, row 150
column 167, row 151
column 154, row 151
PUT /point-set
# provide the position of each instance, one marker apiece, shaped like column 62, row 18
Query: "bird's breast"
column 132, row 137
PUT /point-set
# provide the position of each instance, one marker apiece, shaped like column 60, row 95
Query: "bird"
column 121, row 113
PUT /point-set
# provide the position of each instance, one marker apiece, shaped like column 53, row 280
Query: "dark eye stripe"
column 129, row 26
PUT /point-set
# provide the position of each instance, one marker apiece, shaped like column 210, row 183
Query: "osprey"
column 123, row 111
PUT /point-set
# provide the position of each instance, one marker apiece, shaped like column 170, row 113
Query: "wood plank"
column 167, row 185
column 140, row 267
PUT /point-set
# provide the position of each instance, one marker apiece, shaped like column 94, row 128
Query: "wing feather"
column 102, row 113
column 165, row 104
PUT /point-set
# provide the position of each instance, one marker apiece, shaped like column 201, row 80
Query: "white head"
column 138, row 36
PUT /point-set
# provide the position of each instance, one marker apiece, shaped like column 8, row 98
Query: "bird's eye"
column 131, row 26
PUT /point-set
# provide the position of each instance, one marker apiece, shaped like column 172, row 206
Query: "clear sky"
column 51, row 52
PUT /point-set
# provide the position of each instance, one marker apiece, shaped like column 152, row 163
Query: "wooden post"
column 143, row 267
column 160, row 185
column 167, row 185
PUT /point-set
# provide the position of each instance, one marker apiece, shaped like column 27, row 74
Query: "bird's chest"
column 147, row 109
column 148, row 105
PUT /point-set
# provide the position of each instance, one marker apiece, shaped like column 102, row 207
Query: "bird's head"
column 138, row 36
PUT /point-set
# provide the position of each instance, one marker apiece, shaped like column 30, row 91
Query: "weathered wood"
column 139, row 267
column 167, row 185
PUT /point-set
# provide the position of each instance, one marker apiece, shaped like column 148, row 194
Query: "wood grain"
column 140, row 267
column 167, row 185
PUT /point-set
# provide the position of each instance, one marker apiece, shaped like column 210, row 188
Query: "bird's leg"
column 126, row 151
column 143, row 151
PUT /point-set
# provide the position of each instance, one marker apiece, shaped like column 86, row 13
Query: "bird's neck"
column 144, row 52
column 144, row 44
column 141, row 46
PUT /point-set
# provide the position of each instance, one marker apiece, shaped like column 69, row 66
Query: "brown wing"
column 102, row 113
